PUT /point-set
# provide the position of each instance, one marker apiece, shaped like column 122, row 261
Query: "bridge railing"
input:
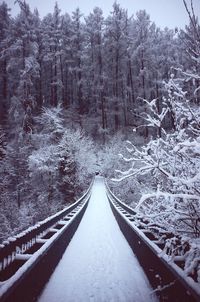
column 164, row 264
column 28, row 259
column 139, row 220
column 22, row 242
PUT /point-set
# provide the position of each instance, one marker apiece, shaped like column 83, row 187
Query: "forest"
column 117, row 95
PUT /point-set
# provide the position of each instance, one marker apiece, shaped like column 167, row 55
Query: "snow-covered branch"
column 166, row 196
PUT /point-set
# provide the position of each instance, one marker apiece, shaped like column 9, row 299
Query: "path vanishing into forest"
column 98, row 265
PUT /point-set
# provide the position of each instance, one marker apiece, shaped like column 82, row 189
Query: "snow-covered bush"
column 168, row 167
column 2, row 143
column 108, row 161
column 62, row 163
column 81, row 149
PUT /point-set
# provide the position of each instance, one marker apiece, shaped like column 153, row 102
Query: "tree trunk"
column 5, row 82
column 62, row 81
column 143, row 77
column 116, row 93
column 55, row 101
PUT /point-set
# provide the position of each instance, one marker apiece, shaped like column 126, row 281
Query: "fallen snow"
column 98, row 265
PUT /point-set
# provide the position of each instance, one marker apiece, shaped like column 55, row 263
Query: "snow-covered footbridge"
column 91, row 251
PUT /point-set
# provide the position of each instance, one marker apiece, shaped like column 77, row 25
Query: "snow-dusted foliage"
column 14, row 187
column 82, row 150
column 169, row 166
column 62, row 162
column 2, row 143
column 96, row 67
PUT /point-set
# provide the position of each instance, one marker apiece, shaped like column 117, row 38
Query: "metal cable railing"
column 28, row 259
column 150, row 239
column 22, row 242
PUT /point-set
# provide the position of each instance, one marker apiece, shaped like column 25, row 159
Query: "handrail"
column 140, row 237
column 122, row 204
column 131, row 211
column 25, row 277
column 26, row 239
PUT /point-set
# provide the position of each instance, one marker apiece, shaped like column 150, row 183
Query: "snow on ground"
column 98, row 265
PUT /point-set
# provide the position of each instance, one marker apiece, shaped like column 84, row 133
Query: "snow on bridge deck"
column 98, row 265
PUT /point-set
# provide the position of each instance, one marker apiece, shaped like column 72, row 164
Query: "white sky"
column 170, row 13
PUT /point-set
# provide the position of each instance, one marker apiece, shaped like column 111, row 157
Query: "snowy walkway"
column 98, row 265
